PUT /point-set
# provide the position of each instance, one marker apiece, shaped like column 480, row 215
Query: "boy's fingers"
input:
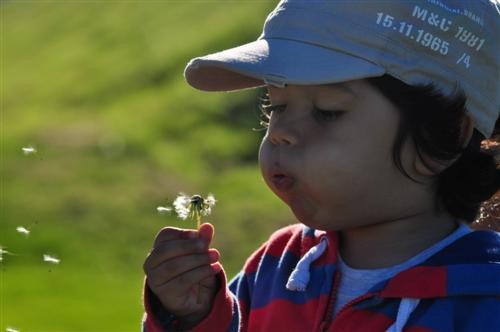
column 206, row 232
column 183, row 282
column 172, row 233
column 171, row 249
column 178, row 266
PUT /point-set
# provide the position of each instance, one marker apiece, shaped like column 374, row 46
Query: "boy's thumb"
column 206, row 232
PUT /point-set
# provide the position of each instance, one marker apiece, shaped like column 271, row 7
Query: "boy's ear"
column 431, row 166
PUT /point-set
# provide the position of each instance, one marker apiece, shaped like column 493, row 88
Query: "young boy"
column 375, row 114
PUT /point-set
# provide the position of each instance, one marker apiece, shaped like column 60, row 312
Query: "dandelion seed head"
column 196, row 199
column 181, row 206
column 193, row 207
column 210, row 200
column 29, row 150
column 206, row 211
column 209, row 203
column 51, row 259
column 22, row 230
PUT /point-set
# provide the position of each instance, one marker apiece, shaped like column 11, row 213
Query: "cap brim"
column 277, row 62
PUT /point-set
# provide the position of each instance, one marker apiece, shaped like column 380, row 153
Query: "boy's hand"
column 181, row 271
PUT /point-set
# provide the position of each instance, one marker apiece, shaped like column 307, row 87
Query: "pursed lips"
column 278, row 176
column 282, row 182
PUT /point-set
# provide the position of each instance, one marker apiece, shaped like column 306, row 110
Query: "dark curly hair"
column 434, row 123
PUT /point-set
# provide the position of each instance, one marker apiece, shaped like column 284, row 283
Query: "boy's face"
column 327, row 153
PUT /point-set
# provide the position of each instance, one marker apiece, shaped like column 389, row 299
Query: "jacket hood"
column 468, row 266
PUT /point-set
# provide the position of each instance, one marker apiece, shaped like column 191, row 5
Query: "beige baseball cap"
column 451, row 43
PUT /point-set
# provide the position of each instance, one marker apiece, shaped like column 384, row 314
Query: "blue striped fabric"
column 459, row 288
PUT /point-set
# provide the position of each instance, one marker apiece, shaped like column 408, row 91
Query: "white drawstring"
column 299, row 278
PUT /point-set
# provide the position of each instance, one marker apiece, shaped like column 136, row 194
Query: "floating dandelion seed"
column 23, row 230
column 29, row 150
column 51, row 259
column 193, row 207
column 163, row 209
column 2, row 252
column 11, row 329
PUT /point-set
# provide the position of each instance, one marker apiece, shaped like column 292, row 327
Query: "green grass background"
column 97, row 88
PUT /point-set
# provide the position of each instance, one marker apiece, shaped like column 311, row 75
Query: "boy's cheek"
column 264, row 154
column 266, row 162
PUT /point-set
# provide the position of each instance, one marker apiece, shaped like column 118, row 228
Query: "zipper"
column 353, row 301
column 328, row 315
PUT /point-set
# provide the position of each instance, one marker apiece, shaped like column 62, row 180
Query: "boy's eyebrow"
column 341, row 86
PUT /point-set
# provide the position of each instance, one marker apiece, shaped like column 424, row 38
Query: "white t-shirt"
column 356, row 282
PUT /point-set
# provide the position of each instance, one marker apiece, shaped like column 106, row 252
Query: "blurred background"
column 96, row 88
column 98, row 129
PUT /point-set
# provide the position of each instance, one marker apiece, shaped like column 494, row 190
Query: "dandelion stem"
column 194, row 208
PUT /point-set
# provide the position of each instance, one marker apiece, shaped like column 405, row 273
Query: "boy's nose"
column 279, row 134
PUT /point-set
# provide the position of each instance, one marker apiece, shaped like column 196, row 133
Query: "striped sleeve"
column 232, row 304
column 230, row 309
column 224, row 315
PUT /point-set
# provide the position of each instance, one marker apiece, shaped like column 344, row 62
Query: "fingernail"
column 214, row 256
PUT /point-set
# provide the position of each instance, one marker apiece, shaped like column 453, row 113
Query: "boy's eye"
column 326, row 115
column 318, row 114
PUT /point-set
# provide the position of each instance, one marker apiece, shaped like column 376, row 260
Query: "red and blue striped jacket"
column 458, row 290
